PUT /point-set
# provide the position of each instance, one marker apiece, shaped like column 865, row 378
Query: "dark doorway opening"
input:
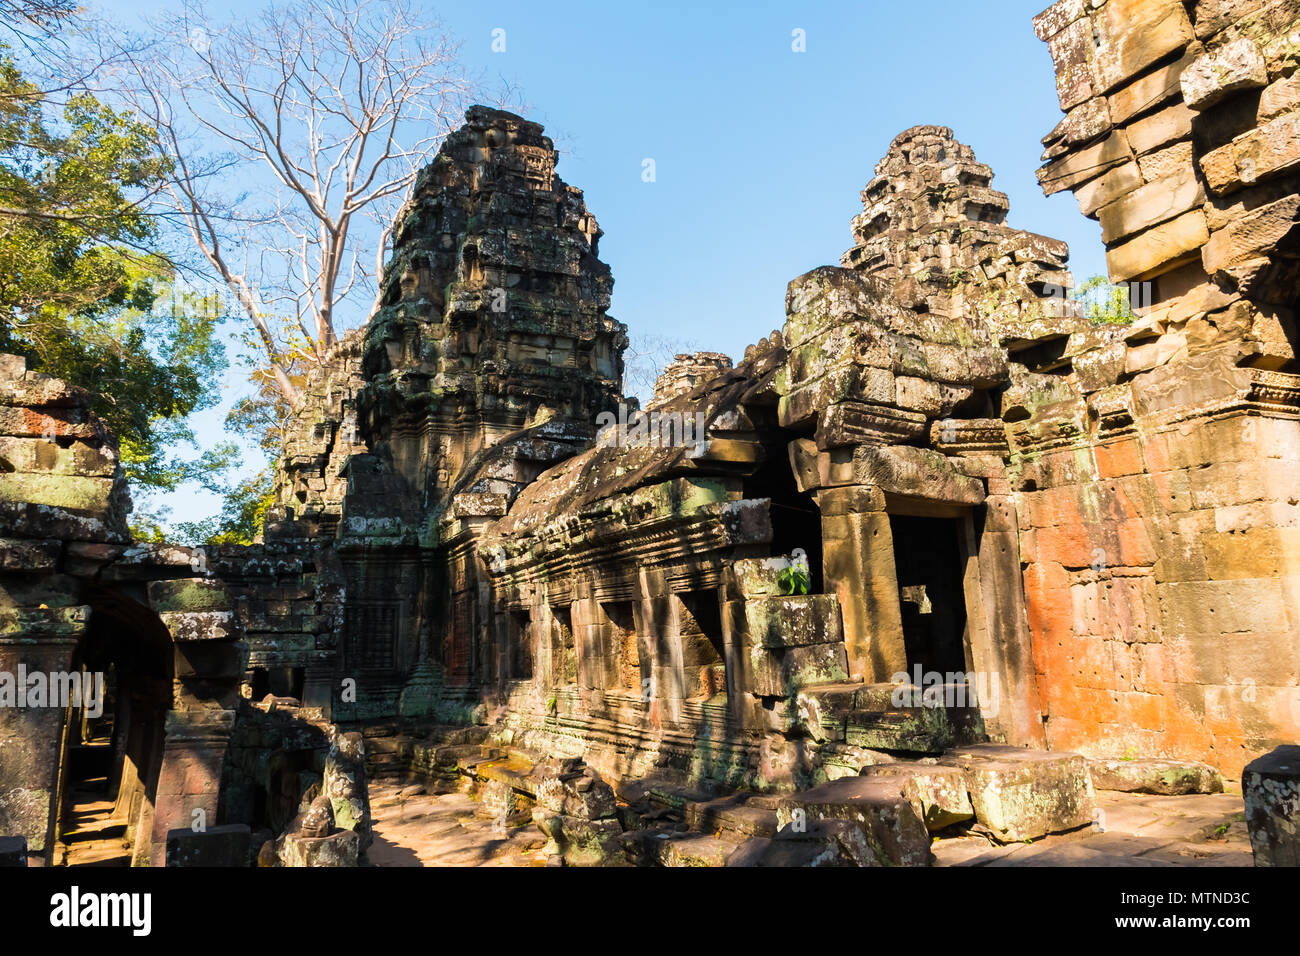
column 927, row 557
column 259, row 683
column 703, row 653
column 112, row 747
column 520, row 665
column 564, row 660
column 796, row 519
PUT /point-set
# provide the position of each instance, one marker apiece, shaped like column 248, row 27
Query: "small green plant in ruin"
column 794, row 580
column 1130, row 754
column 551, row 703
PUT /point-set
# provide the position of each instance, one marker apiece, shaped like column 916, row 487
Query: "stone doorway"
column 928, row 563
column 111, row 755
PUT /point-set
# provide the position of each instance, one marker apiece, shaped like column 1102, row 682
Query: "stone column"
column 858, row 565
column 190, row 778
column 31, row 738
column 1000, row 646
column 658, row 642
column 593, row 635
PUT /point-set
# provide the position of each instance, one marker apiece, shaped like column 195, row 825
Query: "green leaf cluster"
column 85, row 292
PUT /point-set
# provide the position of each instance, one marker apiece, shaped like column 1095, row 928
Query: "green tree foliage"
column 84, row 292
column 242, row 514
column 1103, row 303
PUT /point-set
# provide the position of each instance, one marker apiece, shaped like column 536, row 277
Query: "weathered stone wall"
column 324, row 434
column 76, row 595
column 936, row 468
column 1156, row 468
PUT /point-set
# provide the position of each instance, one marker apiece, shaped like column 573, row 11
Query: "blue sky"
column 760, row 152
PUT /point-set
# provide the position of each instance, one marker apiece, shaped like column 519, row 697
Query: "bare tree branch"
column 321, row 113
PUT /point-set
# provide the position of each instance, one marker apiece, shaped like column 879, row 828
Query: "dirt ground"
column 453, row 829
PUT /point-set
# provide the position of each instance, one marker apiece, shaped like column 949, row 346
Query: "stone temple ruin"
column 945, row 553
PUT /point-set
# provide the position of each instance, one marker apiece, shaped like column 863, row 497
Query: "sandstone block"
column 1261, row 152
column 194, row 594
column 1105, row 189
column 216, row 846
column 778, row 673
column 938, row 793
column 1170, row 161
column 1280, row 97
column 1057, row 17
column 338, row 849
column 1135, row 34
column 20, row 554
column 919, row 472
column 200, row 625
column 919, row 730
column 1085, row 164
column 1158, row 249
column 1153, row 203
column 1271, row 785
column 1151, row 132
column 836, row 843
column 1252, row 236
column 1025, row 794
column 1151, row 91
column 1214, row 76
column 1147, row 775
column 759, row 577
column 694, row 849
column 1213, row 16
column 1072, row 52
column 793, row 621
column 71, row 492
column 892, row 828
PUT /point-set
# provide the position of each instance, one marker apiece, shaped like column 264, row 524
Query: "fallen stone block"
column 694, row 849
column 728, row 814
column 589, row 842
column 1023, row 794
column 821, row 843
column 1271, row 786
column 1166, row 777
column 216, row 846
column 891, row 824
column 338, row 849
column 937, row 793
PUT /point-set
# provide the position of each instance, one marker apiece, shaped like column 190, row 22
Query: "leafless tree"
column 42, row 17
column 645, row 358
column 290, row 135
